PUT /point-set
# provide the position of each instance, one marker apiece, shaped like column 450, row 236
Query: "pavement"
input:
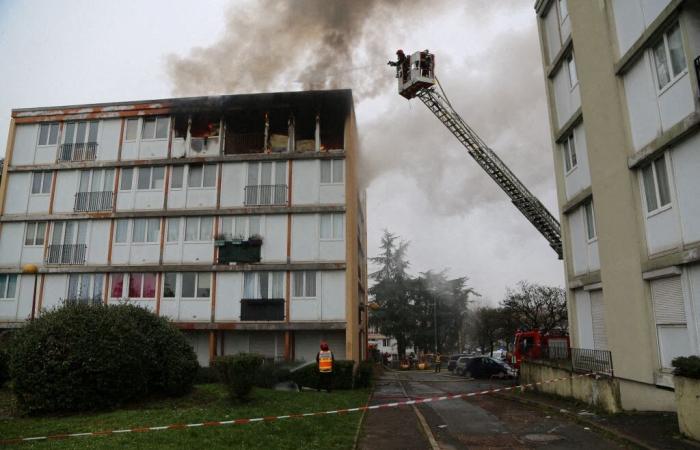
column 496, row 421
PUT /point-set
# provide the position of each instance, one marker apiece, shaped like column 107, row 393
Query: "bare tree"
column 537, row 306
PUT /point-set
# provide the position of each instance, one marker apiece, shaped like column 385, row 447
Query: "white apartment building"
column 239, row 217
column 624, row 103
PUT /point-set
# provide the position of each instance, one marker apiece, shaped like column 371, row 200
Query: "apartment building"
column 239, row 217
column 622, row 84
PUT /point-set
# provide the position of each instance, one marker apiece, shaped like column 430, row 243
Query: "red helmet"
column 324, row 346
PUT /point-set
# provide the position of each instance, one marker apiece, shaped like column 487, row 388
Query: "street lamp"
column 28, row 269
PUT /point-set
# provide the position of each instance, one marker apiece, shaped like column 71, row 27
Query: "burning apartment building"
column 238, row 217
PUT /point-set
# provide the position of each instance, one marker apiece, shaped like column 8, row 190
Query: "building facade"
column 238, row 217
column 622, row 84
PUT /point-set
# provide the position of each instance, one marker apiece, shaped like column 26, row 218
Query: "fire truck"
column 532, row 344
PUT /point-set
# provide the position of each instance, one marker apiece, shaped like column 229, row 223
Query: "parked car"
column 486, row 367
column 452, row 362
column 462, row 364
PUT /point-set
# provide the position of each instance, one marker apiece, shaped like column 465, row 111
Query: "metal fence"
column 83, row 151
column 266, row 194
column 594, row 361
column 93, row 201
column 262, row 309
column 66, row 254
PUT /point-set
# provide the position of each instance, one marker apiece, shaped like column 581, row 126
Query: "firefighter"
column 401, row 64
column 438, row 362
column 325, row 361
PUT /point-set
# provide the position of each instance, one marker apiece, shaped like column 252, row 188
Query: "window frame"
column 571, row 62
column 562, row 16
column 5, row 285
column 42, row 183
column 151, row 179
column 657, row 191
column 203, row 168
column 332, row 162
column 51, row 126
column 589, row 218
column 245, row 221
column 35, row 229
column 199, row 229
column 197, row 283
column 664, row 42
column 181, row 168
column 154, row 136
column 333, row 218
column 272, row 276
column 306, row 275
column 146, row 230
column 570, row 157
column 126, row 286
column 92, row 277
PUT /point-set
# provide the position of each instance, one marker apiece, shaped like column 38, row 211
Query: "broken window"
column 305, row 131
column 245, row 132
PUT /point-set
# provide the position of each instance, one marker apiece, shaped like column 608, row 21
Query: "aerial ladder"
column 416, row 78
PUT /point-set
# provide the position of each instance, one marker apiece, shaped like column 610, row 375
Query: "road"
column 480, row 422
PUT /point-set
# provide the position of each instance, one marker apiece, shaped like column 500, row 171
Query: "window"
column 34, row 234
column 150, row 178
column 196, row 285
column 656, row 185
column 169, row 285
column 332, row 170
column 80, row 132
column 563, row 10
column 669, row 58
column 125, row 182
column 263, row 285
column 202, row 176
column 176, row 180
column 173, row 229
column 570, row 159
column 48, row 133
column 131, row 129
column 241, row 227
column 304, row 284
column 142, row 285
column 8, row 285
column 122, row 231
column 69, row 232
column 145, row 230
column 199, row 228
column 41, row 182
column 590, row 221
column 332, row 227
column 155, row 127
column 571, row 67
column 85, row 288
column 96, row 180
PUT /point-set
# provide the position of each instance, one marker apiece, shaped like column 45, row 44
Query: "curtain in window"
column 277, row 285
column 249, row 285
column 116, row 289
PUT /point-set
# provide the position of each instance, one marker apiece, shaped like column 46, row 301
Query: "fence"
column 262, row 309
column 84, row 151
column 93, row 201
column 589, row 360
column 66, row 254
column 266, row 194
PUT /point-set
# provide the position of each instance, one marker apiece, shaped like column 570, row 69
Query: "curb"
column 361, row 423
column 616, row 434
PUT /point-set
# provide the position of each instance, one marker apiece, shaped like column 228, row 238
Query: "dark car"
column 486, row 367
column 452, row 362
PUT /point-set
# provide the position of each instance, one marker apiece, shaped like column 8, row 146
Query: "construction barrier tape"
column 216, row 423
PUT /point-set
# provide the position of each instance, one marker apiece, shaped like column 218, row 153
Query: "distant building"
column 622, row 85
column 239, row 217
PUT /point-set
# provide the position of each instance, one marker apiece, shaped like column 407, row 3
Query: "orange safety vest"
column 325, row 361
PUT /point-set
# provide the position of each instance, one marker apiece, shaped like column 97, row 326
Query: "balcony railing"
column 84, row 151
column 266, row 194
column 93, row 201
column 262, row 309
column 239, row 251
column 594, row 361
column 66, row 254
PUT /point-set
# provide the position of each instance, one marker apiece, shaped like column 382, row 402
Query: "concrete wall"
column 688, row 400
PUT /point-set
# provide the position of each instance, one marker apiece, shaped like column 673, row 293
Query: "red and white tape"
column 216, row 423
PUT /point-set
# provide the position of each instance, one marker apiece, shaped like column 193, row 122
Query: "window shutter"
column 600, row 337
column 667, row 296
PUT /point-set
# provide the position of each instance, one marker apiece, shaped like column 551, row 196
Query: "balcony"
column 243, row 143
column 93, row 201
column 262, row 309
column 84, row 151
column 92, row 301
column 237, row 251
column 265, row 194
column 66, row 254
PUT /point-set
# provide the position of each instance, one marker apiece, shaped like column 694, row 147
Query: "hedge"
column 308, row 376
column 239, row 373
column 80, row 358
column 687, row 366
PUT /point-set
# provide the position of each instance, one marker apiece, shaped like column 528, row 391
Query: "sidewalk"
column 650, row 430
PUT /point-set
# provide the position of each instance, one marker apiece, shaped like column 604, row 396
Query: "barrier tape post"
column 180, row 426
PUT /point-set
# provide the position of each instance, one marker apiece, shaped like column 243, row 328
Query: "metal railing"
column 83, row 151
column 262, row 309
column 266, row 194
column 593, row 361
column 93, row 201
column 66, row 254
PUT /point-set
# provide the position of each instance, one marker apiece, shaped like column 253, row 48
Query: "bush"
column 207, row 375
column 271, row 373
column 239, row 373
column 363, row 378
column 4, row 367
column 80, row 357
column 308, row 375
column 687, row 366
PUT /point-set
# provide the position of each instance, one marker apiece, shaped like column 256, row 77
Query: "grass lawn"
column 207, row 402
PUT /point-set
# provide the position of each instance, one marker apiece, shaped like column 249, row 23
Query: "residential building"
column 622, row 85
column 239, row 217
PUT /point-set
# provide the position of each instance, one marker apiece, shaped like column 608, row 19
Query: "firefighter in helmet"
column 325, row 360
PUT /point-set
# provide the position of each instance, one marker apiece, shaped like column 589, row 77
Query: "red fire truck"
column 534, row 345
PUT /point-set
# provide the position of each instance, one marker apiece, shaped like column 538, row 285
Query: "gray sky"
column 421, row 184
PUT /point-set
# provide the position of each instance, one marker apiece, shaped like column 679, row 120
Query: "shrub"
column 363, row 378
column 4, row 367
column 238, row 373
column 687, row 366
column 271, row 373
column 80, row 357
column 206, row 375
column 308, row 375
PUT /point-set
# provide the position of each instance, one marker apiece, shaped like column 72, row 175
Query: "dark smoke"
column 296, row 44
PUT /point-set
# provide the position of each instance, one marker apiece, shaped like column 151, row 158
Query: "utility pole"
column 435, row 321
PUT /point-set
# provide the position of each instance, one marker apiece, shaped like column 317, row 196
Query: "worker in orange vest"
column 325, row 361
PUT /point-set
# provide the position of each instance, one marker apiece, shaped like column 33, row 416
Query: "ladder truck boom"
column 416, row 78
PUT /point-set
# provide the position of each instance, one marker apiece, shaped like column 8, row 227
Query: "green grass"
column 207, row 402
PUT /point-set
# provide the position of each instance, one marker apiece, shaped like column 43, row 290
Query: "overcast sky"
column 421, row 184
